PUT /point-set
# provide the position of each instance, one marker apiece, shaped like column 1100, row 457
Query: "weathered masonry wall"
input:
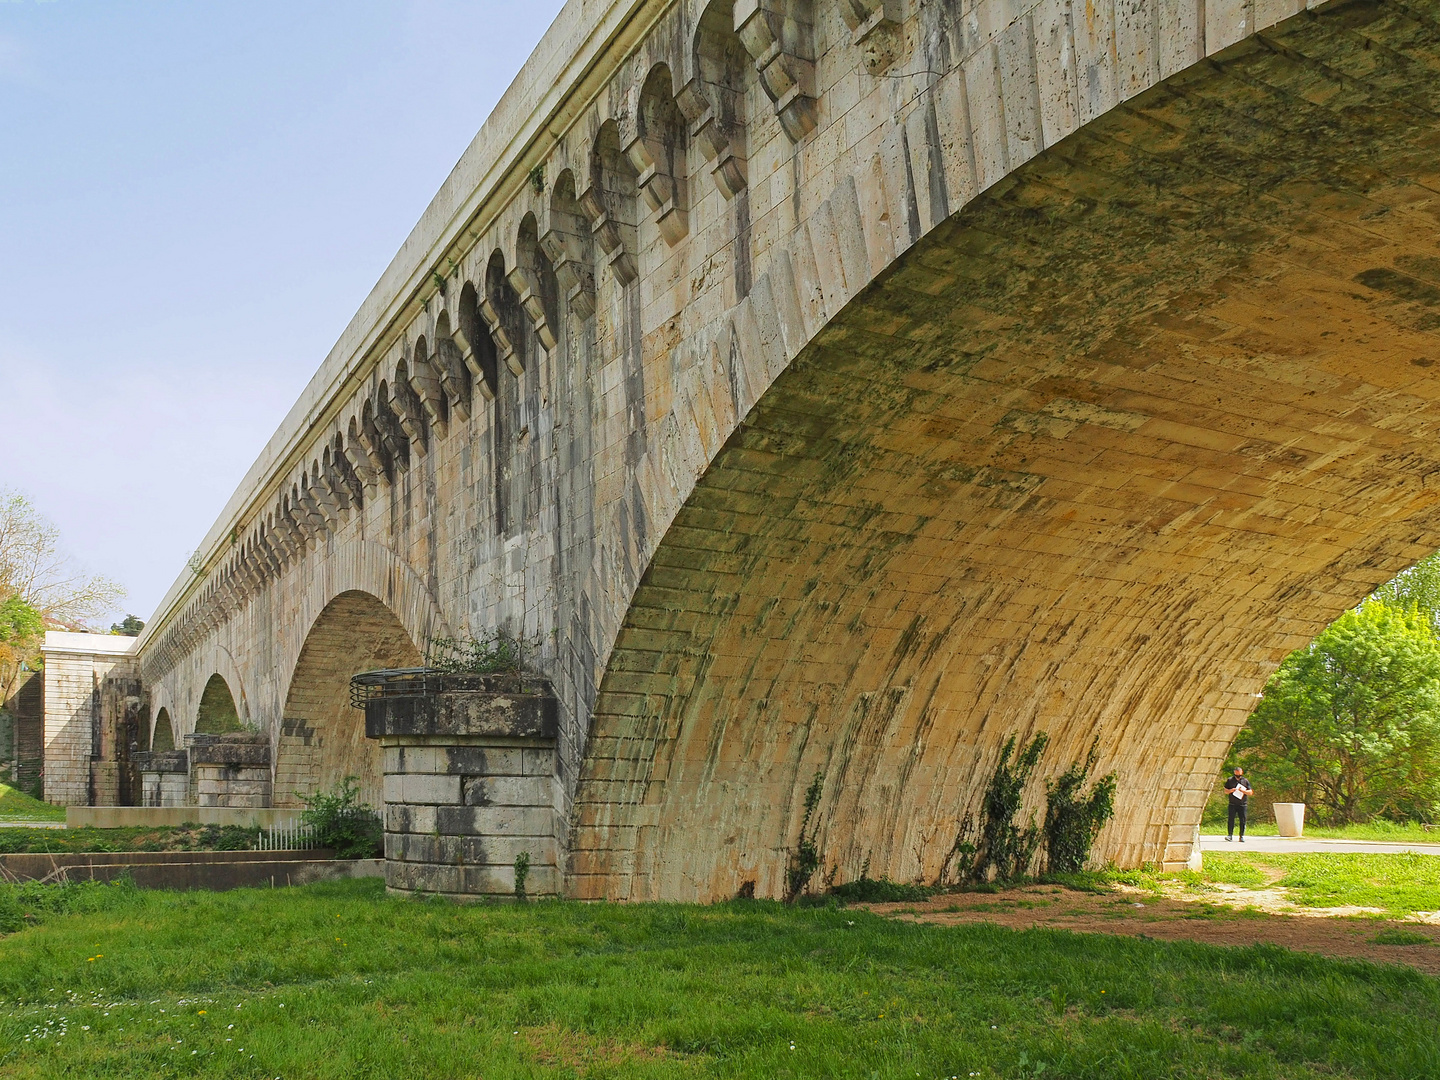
column 849, row 387
column 82, row 760
column 26, row 709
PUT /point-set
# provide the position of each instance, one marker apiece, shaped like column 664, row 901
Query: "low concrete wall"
column 119, row 817
column 212, row 870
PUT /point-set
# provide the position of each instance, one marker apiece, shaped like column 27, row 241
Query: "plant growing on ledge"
column 805, row 859
column 494, row 654
column 343, row 823
column 1072, row 820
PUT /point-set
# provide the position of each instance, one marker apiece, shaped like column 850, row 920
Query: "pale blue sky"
column 194, row 199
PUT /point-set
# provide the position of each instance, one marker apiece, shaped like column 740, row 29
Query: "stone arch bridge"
column 846, row 386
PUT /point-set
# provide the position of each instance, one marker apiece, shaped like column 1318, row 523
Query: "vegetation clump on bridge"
column 491, row 654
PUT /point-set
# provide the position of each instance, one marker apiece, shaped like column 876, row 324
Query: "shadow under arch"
column 217, row 712
column 163, row 737
column 322, row 739
column 1088, row 459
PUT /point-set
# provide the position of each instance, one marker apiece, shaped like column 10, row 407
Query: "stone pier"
column 469, row 782
column 232, row 769
column 164, row 777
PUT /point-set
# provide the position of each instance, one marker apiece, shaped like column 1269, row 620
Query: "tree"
column 21, row 630
column 1351, row 724
column 1416, row 589
column 33, row 566
column 36, row 577
column 130, row 626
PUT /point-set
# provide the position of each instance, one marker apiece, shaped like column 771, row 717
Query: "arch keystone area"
column 847, row 388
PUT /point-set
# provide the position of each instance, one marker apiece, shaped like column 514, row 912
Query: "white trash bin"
column 1289, row 818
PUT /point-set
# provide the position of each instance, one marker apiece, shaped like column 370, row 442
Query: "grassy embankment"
column 342, row 981
column 15, row 805
column 131, row 838
column 1400, row 885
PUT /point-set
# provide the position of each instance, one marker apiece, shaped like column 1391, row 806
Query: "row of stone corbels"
column 696, row 70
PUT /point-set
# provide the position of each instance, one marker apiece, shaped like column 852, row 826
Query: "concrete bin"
column 1289, row 817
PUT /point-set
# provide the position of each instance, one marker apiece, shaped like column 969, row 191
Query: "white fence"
column 287, row 835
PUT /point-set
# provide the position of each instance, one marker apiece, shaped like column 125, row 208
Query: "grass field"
column 342, row 981
column 15, row 805
column 1400, row 885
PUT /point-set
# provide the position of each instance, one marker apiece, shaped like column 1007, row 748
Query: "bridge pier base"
column 164, row 777
column 470, row 791
column 230, row 770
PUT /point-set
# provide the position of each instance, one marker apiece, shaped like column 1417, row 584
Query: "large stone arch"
column 363, row 609
column 322, row 738
column 1087, row 459
column 368, row 567
column 214, row 662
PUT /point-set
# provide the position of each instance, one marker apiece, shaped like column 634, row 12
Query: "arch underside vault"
column 322, row 739
column 1088, row 459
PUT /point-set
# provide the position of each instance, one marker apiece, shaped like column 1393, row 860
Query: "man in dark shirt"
column 1238, row 791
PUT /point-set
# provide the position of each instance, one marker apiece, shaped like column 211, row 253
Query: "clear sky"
column 194, row 199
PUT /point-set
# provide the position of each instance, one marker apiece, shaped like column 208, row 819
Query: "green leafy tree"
column 1351, row 724
column 130, row 626
column 1416, row 589
column 21, row 631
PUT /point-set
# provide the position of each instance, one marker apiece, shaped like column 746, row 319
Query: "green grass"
column 341, row 981
column 1382, row 831
column 15, row 805
column 16, row 839
column 1399, row 936
column 1400, row 884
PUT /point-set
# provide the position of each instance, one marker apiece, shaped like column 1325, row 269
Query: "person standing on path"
column 1239, row 790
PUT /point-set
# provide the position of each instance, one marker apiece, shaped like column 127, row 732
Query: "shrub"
column 805, row 859
column 228, row 837
column 881, row 890
column 496, row 654
column 1006, row 848
column 522, row 871
column 345, row 824
column 31, row 903
column 1073, row 820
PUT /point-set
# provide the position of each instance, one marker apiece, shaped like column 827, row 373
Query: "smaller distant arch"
column 217, row 713
column 502, row 314
column 533, row 280
column 566, row 242
column 658, row 150
column 163, row 736
column 449, row 364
